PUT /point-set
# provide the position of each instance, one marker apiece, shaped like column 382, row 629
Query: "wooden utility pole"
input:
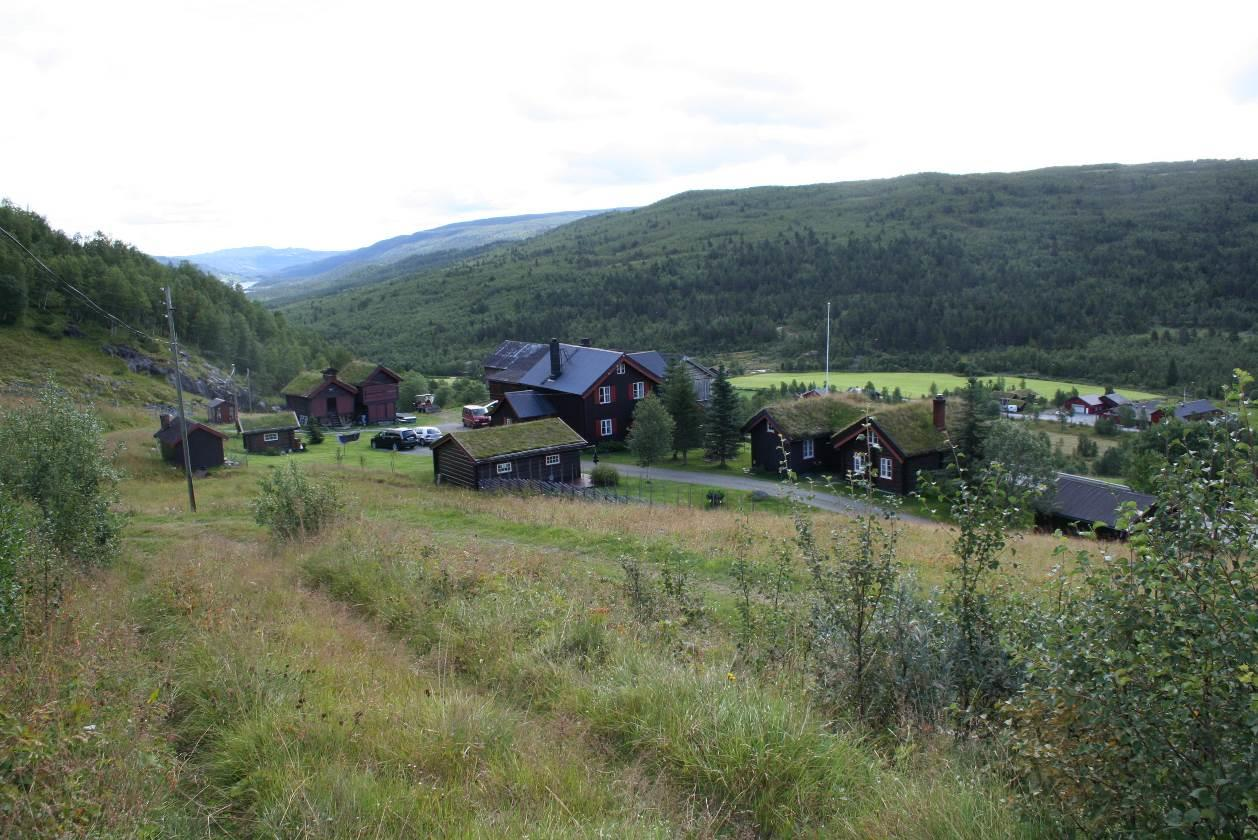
column 183, row 420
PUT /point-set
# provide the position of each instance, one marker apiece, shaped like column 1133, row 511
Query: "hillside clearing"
column 916, row 384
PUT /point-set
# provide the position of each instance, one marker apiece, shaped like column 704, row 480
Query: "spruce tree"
column 973, row 428
column 682, row 404
column 723, row 437
column 651, row 434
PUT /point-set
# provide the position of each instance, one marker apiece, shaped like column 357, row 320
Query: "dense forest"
column 212, row 317
column 1071, row 271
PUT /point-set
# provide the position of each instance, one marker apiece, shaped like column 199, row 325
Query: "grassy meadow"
column 914, row 385
column 441, row 663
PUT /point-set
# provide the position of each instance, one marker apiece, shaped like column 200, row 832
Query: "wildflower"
column 730, row 677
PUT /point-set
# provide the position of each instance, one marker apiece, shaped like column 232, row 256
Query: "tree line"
column 215, row 318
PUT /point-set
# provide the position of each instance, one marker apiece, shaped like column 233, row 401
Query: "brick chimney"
column 166, row 420
column 940, row 406
column 556, row 364
column 329, row 374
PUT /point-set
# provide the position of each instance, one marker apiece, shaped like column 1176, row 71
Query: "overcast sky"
column 184, row 127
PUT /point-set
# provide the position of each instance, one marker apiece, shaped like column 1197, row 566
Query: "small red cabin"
column 205, row 444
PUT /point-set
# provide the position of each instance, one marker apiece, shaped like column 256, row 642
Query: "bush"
column 292, row 505
column 604, row 476
column 1110, row 463
column 1138, row 716
column 13, row 556
column 314, row 431
column 1105, row 427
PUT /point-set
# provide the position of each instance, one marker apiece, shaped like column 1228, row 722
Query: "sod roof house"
column 836, row 434
column 361, row 392
column 543, row 450
column 276, row 432
column 205, row 444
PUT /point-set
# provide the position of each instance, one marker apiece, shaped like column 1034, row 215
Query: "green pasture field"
column 913, row 384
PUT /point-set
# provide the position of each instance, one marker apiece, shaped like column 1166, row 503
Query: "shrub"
column 314, row 431
column 604, row 476
column 1138, row 716
column 715, row 498
column 1105, row 427
column 292, row 505
column 13, row 555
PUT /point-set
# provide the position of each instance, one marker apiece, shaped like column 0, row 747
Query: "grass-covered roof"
column 303, row 383
column 496, row 441
column 275, row 422
column 814, row 416
column 911, row 426
column 356, row 371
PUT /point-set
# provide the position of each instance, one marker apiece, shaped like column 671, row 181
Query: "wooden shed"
column 543, row 450
column 269, row 432
column 222, row 411
column 205, row 444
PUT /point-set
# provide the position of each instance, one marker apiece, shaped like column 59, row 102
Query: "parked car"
column 475, row 415
column 395, row 439
column 428, row 435
column 405, row 418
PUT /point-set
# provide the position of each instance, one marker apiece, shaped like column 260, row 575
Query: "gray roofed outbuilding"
column 1089, row 500
column 530, row 405
column 1196, row 408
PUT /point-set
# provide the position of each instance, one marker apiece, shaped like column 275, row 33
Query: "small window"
column 552, row 460
column 605, row 428
column 620, row 367
column 859, row 464
column 808, row 448
column 270, row 437
column 639, row 390
column 884, row 467
column 604, row 394
column 503, row 469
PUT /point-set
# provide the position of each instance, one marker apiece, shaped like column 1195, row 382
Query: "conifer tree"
column 723, row 437
column 682, row 404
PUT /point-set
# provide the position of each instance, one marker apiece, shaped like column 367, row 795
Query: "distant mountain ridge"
column 249, row 263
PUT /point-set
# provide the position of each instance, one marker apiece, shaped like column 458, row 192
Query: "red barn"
column 1086, row 404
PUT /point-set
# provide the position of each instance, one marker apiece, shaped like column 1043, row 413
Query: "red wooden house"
column 544, row 450
column 591, row 389
column 276, row 432
column 361, row 392
column 1086, row 404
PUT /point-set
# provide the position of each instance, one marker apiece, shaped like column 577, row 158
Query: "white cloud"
column 184, row 127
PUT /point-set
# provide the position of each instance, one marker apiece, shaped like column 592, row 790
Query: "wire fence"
column 628, row 492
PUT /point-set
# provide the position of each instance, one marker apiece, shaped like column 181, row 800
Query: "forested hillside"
column 211, row 316
column 922, row 270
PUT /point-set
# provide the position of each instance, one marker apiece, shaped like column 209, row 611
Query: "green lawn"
column 913, row 385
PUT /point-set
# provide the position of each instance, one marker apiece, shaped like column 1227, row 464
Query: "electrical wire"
column 96, row 307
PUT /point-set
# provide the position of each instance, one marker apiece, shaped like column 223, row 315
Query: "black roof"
column 530, row 405
column 1192, row 409
column 652, row 361
column 1090, row 500
column 526, row 363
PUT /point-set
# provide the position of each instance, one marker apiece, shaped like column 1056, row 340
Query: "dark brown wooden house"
column 542, row 450
column 377, row 397
column 275, row 432
column 205, row 444
column 1088, row 505
column 322, row 396
column 222, row 411
column 837, row 435
column 591, row 389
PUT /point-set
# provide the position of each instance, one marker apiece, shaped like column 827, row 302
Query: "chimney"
column 940, row 411
column 166, row 420
column 329, row 374
column 585, row 342
column 556, row 366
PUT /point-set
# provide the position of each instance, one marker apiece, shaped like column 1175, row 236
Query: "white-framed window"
column 620, row 367
column 884, row 467
column 859, row 463
column 809, row 451
column 605, row 428
column 604, row 394
column 504, row 468
column 552, row 460
column 639, row 390
column 270, row 437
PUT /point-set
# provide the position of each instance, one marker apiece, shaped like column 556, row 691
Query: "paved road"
column 817, row 498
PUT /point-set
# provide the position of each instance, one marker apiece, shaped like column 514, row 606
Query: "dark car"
column 395, row 439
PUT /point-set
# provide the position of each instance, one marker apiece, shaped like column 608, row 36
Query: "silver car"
column 428, row 435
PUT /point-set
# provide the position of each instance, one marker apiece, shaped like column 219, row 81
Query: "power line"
column 96, row 307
